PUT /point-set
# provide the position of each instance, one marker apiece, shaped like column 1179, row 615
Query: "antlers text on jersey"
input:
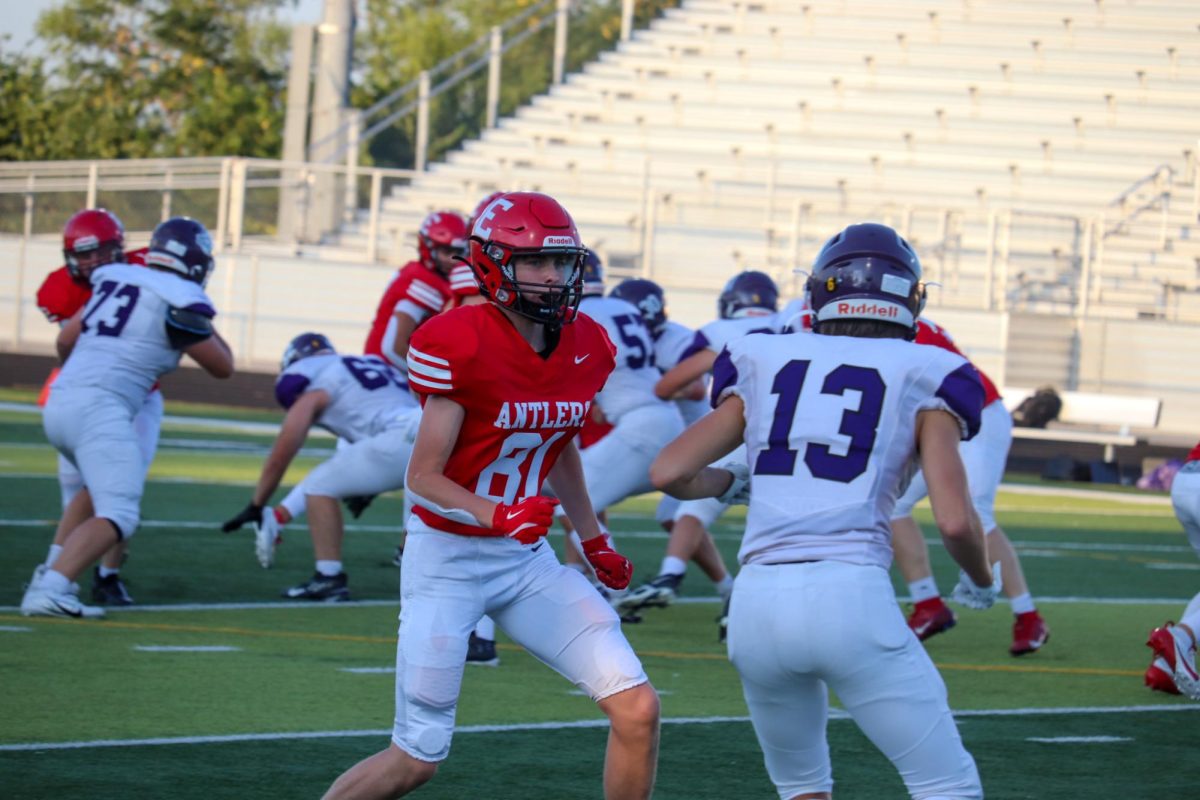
column 552, row 414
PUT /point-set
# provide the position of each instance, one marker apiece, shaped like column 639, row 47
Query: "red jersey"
column 521, row 409
column 59, row 296
column 1195, row 454
column 462, row 284
column 417, row 291
column 934, row 334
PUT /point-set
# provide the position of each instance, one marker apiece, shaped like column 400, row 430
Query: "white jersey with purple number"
column 669, row 347
column 367, row 395
column 123, row 346
column 720, row 332
column 830, row 428
column 631, row 384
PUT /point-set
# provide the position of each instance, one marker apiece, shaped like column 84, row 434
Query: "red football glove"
column 612, row 568
column 526, row 521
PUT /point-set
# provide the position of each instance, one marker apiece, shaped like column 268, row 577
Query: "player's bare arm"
column 68, row 335
column 567, row 479
column 398, row 346
column 684, row 373
column 681, row 468
column 938, row 437
column 440, row 423
column 213, row 355
column 300, row 418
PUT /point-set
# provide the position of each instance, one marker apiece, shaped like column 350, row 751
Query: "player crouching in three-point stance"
column 506, row 385
column 134, row 329
column 833, row 424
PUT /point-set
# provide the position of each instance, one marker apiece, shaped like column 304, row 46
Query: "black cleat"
column 658, row 592
column 482, row 652
column 357, row 504
column 321, row 588
column 109, row 591
column 723, row 620
column 398, row 556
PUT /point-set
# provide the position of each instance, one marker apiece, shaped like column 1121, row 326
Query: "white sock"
column 107, row 571
column 1023, row 604
column 924, row 589
column 55, row 582
column 724, row 586
column 295, row 502
column 486, row 628
column 329, row 568
column 671, row 565
column 52, row 556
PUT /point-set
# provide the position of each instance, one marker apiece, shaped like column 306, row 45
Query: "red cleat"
column 1029, row 633
column 1174, row 665
column 931, row 617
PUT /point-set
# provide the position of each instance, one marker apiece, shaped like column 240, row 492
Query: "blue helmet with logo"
column 183, row 246
column 648, row 297
column 747, row 291
column 867, row 272
column 303, row 346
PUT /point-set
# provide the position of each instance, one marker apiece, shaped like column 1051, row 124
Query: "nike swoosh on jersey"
column 580, row 360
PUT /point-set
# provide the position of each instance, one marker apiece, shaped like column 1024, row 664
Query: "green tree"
column 145, row 78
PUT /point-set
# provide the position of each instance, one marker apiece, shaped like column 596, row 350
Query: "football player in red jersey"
column 506, row 385
column 984, row 457
column 420, row 289
column 91, row 238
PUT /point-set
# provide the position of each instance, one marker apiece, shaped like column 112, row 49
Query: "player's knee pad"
column 435, row 687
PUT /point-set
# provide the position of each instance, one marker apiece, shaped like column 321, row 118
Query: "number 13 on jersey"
column 859, row 425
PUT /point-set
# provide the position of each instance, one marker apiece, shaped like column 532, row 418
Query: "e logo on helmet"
column 482, row 229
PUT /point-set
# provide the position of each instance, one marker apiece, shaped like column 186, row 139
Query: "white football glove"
column 267, row 534
column 972, row 596
column 738, row 493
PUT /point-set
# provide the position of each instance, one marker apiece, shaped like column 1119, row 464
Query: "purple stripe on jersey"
column 289, row 388
column 699, row 343
column 962, row 391
column 724, row 375
column 202, row 308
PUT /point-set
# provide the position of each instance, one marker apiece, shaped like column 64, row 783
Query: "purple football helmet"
column 867, row 271
column 648, row 297
column 593, row 274
column 748, row 290
column 303, row 346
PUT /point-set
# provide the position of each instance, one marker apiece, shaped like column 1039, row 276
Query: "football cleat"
column 267, row 534
column 321, row 588
column 1029, row 633
column 109, row 591
column 358, row 503
column 723, row 620
column 38, row 602
column 1158, row 676
column 398, row 556
column 656, row 593
column 1175, row 658
column 931, row 617
column 482, row 652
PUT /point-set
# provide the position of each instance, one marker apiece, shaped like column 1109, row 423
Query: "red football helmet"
column 484, row 203
column 92, row 237
column 441, row 229
column 527, row 223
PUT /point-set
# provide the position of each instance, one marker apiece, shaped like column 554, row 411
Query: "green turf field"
column 285, row 696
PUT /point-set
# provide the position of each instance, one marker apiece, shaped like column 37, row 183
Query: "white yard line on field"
column 682, row 601
column 548, row 726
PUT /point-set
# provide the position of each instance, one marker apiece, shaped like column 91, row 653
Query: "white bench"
column 1091, row 417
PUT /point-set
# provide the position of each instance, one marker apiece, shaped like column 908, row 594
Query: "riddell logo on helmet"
column 558, row 241
column 867, row 309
